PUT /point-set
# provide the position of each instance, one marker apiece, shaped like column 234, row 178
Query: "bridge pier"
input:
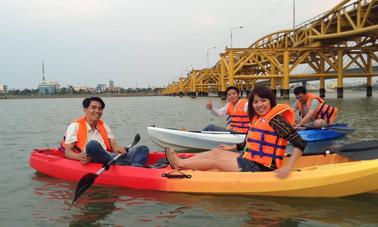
column 248, row 92
column 321, row 92
column 274, row 92
column 192, row 94
column 340, row 92
column 285, row 93
column 369, row 91
column 223, row 95
column 203, row 94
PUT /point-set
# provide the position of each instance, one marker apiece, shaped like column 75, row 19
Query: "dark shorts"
column 246, row 165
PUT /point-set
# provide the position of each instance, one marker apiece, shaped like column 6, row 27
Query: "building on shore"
column 101, row 88
column 48, row 88
column 3, row 89
column 45, row 88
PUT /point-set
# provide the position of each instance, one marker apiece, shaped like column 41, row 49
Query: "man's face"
column 232, row 96
column 301, row 97
column 94, row 111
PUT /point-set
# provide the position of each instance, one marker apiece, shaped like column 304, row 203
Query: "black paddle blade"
column 364, row 150
column 136, row 140
column 85, row 182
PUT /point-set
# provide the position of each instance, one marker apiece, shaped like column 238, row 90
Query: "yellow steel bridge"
column 341, row 43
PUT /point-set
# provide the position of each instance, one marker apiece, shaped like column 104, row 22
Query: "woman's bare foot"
column 171, row 157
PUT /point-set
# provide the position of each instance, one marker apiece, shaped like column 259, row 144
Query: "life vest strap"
column 241, row 122
column 264, row 143
column 238, row 126
column 241, row 116
column 258, row 153
column 263, row 131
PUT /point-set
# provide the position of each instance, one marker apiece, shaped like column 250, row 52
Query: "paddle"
column 363, row 150
column 87, row 180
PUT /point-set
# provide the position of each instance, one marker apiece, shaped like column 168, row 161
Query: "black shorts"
column 246, row 165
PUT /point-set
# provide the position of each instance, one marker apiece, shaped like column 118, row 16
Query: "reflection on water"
column 30, row 199
column 125, row 207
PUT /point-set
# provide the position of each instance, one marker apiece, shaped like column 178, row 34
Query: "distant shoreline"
column 78, row 95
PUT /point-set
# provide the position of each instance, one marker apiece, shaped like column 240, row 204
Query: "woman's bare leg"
column 214, row 159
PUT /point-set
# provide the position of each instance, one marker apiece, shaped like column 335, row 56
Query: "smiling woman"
column 265, row 144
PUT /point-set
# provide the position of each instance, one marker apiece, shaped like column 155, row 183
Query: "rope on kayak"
column 178, row 175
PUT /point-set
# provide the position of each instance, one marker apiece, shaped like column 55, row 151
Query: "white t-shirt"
column 93, row 134
column 223, row 111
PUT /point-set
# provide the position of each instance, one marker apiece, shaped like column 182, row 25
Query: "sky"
column 134, row 43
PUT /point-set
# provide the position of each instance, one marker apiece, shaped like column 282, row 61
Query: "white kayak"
column 192, row 140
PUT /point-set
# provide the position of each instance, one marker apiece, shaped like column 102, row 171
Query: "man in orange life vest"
column 236, row 108
column 314, row 111
column 89, row 139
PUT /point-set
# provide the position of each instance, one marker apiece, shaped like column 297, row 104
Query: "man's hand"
column 84, row 159
column 209, row 105
column 121, row 150
column 226, row 147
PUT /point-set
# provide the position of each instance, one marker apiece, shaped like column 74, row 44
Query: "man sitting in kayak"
column 236, row 108
column 89, row 139
column 314, row 111
column 265, row 144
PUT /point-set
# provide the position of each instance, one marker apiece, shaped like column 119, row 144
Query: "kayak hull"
column 188, row 140
column 314, row 176
column 185, row 140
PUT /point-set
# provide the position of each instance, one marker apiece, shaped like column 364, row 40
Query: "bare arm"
column 116, row 147
column 308, row 117
column 285, row 130
column 285, row 170
column 219, row 112
column 69, row 153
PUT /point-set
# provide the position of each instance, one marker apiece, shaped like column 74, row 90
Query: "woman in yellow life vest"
column 235, row 108
column 264, row 146
column 313, row 111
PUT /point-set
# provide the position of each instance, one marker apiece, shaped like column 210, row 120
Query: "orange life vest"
column 324, row 111
column 82, row 136
column 263, row 145
column 238, row 117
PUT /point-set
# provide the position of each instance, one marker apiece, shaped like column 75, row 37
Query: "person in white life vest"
column 264, row 147
column 236, row 109
column 89, row 139
column 314, row 112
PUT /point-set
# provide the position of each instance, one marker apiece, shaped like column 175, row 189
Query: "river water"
column 31, row 199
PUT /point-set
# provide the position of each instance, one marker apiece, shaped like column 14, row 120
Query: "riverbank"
column 138, row 94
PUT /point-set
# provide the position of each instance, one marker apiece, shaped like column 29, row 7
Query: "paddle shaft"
column 370, row 145
column 87, row 180
column 106, row 166
column 103, row 169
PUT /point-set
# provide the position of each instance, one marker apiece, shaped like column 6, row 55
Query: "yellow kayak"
column 329, row 175
column 315, row 176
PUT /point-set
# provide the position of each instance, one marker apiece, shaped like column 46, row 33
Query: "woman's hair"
column 262, row 92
